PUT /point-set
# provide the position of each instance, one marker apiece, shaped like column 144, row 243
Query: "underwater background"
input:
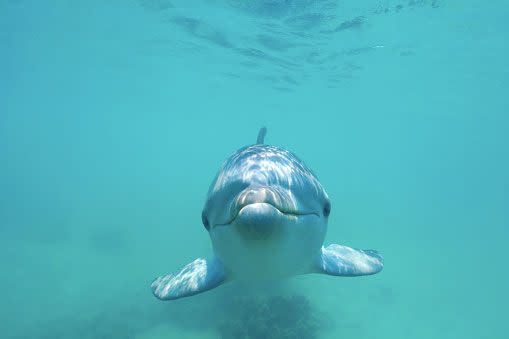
column 115, row 116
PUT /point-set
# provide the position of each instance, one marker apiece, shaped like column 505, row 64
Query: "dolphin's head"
column 266, row 212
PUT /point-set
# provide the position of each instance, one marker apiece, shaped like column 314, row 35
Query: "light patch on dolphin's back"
column 266, row 165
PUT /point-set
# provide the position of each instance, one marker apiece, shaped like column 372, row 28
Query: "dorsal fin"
column 261, row 135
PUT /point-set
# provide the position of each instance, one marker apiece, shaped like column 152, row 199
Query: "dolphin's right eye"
column 205, row 221
column 326, row 209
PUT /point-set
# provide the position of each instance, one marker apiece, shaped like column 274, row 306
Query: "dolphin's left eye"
column 205, row 221
column 326, row 209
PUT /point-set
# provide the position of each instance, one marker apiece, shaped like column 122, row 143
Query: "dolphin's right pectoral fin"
column 196, row 277
column 345, row 261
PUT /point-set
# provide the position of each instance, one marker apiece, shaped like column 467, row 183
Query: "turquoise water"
column 115, row 116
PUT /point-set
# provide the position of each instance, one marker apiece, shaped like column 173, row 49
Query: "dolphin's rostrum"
column 266, row 214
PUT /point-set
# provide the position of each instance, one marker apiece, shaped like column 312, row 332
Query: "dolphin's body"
column 266, row 214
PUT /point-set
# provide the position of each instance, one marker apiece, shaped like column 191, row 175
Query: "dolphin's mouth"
column 272, row 207
column 264, row 204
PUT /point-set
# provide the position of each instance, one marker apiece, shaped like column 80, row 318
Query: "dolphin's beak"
column 259, row 205
column 258, row 220
column 262, row 206
column 258, row 211
column 268, row 195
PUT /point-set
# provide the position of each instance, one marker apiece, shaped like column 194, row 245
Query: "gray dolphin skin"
column 266, row 214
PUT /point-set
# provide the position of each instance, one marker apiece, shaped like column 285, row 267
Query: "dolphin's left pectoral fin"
column 345, row 261
column 196, row 277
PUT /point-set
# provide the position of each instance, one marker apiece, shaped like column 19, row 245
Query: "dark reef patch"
column 269, row 317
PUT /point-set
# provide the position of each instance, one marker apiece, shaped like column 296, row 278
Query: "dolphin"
column 266, row 214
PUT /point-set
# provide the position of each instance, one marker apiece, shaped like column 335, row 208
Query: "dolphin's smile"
column 262, row 204
column 278, row 209
column 270, row 206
